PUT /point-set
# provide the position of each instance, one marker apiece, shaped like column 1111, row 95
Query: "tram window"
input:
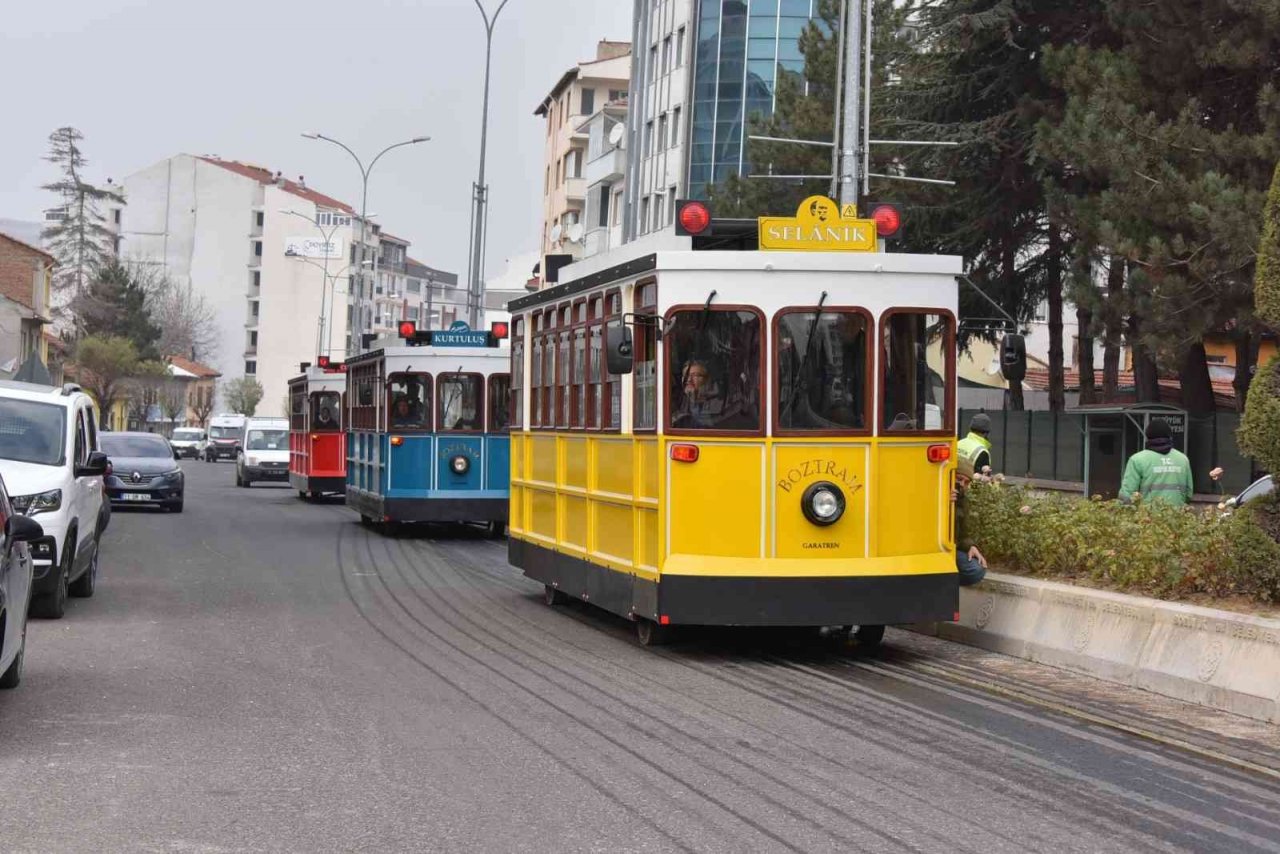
column 535, row 370
column 822, row 377
column 563, row 392
column 409, row 402
column 917, row 348
column 517, row 374
column 612, row 402
column 363, row 404
column 713, row 370
column 594, row 395
column 578, row 388
column 500, row 403
column 298, row 407
column 548, row 372
column 646, row 359
column 461, row 402
column 325, row 411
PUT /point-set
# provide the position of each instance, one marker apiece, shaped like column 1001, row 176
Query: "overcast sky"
column 146, row 79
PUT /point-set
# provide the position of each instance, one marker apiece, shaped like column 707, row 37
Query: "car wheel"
column 83, row 587
column 11, row 677
column 51, row 606
column 868, row 637
column 176, row 506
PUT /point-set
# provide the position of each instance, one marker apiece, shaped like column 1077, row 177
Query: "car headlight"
column 460, row 464
column 822, row 503
column 253, row 461
column 173, row 476
column 44, row 502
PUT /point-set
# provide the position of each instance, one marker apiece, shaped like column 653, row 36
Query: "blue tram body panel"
column 408, row 472
column 497, row 470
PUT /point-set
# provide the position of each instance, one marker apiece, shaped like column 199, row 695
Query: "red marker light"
column 408, row 329
column 500, row 330
column 684, row 453
column 694, row 217
column 322, row 361
column 888, row 220
column 939, row 453
column 664, row 620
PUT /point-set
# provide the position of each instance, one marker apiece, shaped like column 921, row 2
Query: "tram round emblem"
column 985, row 610
column 1210, row 659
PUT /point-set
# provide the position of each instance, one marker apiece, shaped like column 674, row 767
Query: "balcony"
column 575, row 189
column 607, row 168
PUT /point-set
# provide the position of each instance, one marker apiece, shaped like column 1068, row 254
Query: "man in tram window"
column 703, row 404
column 402, row 413
column 324, row 420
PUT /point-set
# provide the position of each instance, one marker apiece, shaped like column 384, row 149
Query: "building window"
column 257, row 218
column 116, row 216
column 644, row 215
column 616, row 217
column 588, row 101
column 666, row 55
column 253, row 339
column 257, row 248
column 671, row 204
column 648, row 138
column 675, row 127
column 250, row 368
column 657, row 211
column 679, row 47
column 602, row 219
column 559, row 173
column 257, row 278
column 254, row 306
column 546, row 181
column 662, row 132
column 653, row 63
column 617, row 94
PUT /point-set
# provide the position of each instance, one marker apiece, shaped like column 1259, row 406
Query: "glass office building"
column 742, row 48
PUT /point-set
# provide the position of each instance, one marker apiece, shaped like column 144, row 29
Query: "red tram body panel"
column 317, row 437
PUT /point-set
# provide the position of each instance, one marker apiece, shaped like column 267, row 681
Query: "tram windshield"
column 822, row 370
column 915, row 348
column 713, row 370
column 326, row 411
column 461, row 402
column 409, row 402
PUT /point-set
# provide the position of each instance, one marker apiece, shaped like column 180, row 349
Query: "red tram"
column 317, row 440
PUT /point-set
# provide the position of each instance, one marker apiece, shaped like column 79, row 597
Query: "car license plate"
column 135, row 496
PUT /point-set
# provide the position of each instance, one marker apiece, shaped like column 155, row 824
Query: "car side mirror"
column 95, row 466
column 21, row 529
column 619, row 355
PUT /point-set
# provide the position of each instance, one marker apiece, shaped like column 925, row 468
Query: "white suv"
column 51, row 463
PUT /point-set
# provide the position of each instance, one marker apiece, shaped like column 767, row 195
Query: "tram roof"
column 674, row 253
column 319, row 379
column 427, row 354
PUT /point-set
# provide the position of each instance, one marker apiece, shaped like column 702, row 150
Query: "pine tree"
column 115, row 303
column 80, row 240
column 1259, row 434
column 1175, row 127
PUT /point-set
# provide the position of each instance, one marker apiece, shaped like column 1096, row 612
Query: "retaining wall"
column 1213, row 658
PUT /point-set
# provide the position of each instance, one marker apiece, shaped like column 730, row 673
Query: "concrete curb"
column 1205, row 656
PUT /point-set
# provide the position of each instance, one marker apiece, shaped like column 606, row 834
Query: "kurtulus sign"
column 820, row 225
column 459, row 335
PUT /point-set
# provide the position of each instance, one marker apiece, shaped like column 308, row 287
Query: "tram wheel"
column 650, row 633
column 497, row 529
column 868, row 637
column 366, row 520
column 552, row 596
column 303, row 494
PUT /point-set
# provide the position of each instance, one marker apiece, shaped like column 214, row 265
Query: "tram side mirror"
column 1013, row 358
column 619, row 355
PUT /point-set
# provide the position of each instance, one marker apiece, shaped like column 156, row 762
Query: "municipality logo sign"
column 460, row 335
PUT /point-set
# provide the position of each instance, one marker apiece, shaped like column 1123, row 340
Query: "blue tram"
column 427, row 416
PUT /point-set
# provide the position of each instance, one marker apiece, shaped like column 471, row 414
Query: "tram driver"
column 406, row 412
column 703, row 404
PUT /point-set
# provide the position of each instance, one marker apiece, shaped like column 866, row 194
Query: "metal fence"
column 1050, row 446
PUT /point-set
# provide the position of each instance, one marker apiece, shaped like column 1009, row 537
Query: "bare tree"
column 188, row 324
column 200, row 400
column 173, row 402
column 142, row 391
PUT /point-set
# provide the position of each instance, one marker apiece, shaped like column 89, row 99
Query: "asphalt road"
column 259, row 673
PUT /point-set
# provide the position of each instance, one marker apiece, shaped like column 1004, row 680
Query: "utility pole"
column 480, row 190
column 851, row 113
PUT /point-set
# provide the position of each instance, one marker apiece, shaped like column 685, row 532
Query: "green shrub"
column 1161, row 551
column 1259, row 433
column 1266, row 283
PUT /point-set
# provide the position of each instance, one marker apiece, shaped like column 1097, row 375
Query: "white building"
column 603, row 174
column 659, row 114
column 270, row 276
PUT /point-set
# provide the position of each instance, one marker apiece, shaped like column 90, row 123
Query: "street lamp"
column 364, row 180
column 321, row 340
column 480, row 191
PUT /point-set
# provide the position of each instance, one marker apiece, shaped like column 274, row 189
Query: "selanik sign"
column 820, row 225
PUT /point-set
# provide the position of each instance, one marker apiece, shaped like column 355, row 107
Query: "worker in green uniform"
column 1158, row 473
column 976, row 447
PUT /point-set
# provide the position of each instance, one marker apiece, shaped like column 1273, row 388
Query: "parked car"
column 224, row 437
column 189, row 442
column 1264, row 485
column 49, row 458
column 143, row 471
column 265, row 454
column 16, row 531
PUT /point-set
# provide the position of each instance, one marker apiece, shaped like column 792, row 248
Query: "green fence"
column 1050, row 446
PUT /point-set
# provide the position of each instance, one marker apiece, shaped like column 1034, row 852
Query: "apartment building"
column 276, row 259
column 658, row 107
column 435, row 299
column 576, row 96
column 604, row 176
column 26, row 274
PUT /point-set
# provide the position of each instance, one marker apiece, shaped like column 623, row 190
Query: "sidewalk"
column 1220, row 659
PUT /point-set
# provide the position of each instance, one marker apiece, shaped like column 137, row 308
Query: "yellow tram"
column 757, row 438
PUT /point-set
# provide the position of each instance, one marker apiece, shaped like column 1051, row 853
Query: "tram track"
column 451, row 592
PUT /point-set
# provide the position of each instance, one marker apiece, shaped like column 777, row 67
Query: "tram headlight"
column 460, row 465
column 823, row 503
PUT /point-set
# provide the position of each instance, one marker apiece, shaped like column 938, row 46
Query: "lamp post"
column 330, row 281
column 480, row 191
column 321, row 341
column 364, row 189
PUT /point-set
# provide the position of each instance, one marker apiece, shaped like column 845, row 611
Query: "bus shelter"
column 1112, row 432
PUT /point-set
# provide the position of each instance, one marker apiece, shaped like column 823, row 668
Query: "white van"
column 264, row 451
column 53, row 468
column 189, row 442
column 224, row 437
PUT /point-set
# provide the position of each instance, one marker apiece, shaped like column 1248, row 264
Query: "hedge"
column 1150, row 549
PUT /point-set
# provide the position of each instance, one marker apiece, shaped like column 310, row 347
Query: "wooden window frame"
column 310, row 407
column 761, row 382
column 514, row 408
column 949, row 391
column 648, row 309
column 365, row 417
column 491, row 398
column 298, row 420
column 564, row 366
column 483, row 404
column 868, row 392
column 595, row 326
column 386, row 399
column 578, row 390
column 606, row 384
